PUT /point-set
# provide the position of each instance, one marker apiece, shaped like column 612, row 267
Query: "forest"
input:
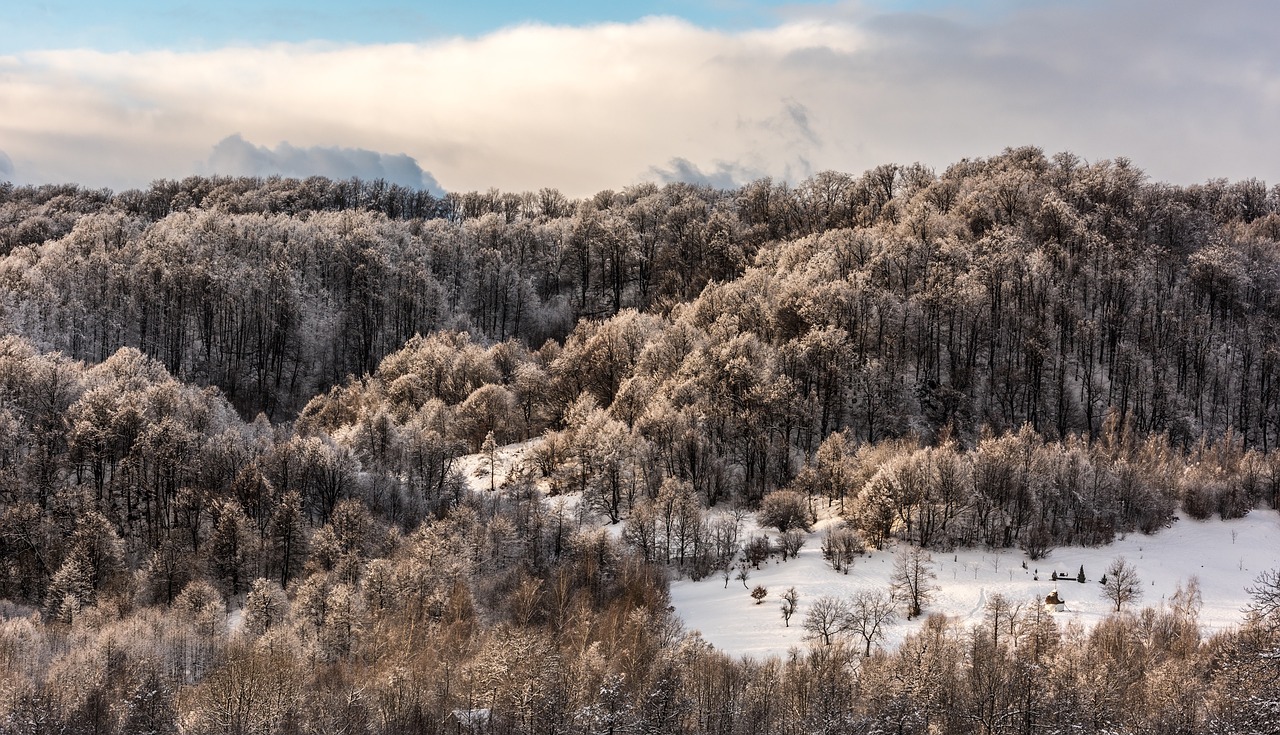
column 235, row 412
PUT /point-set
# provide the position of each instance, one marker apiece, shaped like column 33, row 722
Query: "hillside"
column 301, row 455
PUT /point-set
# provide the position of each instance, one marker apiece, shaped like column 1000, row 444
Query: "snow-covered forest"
column 287, row 455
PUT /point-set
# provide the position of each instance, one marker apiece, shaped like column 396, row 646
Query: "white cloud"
column 1188, row 92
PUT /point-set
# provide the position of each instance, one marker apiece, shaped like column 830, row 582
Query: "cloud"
column 724, row 175
column 1187, row 90
column 6, row 165
column 236, row 156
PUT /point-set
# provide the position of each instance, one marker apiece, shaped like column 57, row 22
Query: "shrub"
column 840, row 547
column 785, row 510
column 791, row 542
column 757, row 550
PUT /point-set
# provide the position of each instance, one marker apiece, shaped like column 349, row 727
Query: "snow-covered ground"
column 1226, row 556
column 475, row 467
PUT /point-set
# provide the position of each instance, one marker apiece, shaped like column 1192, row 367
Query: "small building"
column 1053, row 603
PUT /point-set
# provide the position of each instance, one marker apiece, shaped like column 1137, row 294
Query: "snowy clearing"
column 1226, row 556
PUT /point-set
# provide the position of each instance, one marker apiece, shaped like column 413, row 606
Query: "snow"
column 1226, row 556
column 475, row 467
column 510, row 459
column 235, row 620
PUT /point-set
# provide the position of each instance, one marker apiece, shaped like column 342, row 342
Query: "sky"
column 586, row 96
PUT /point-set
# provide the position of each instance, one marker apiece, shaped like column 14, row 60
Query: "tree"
column 869, row 612
column 230, row 546
column 288, row 536
column 96, row 542
column 70, row 590
column 1264, row 601
column 489, row 455
column 757, row 550
column 759, row 593
column 912, row 579
column 202, row 605
column 840, row 547
column 265, row 606
column 827, row 619
column 1121, row 584
column 790, row 542
column 790, row 599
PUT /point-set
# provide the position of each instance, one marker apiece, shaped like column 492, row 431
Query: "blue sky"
column 585, row 96
column 147, row 24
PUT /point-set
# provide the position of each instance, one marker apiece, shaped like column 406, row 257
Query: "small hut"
column 1053, row 603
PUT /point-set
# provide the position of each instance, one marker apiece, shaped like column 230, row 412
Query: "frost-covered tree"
column 230, row 547
column 265, row 606
column 287, row 533
column 1264, row 600
column 785, row 510
column 70, row 590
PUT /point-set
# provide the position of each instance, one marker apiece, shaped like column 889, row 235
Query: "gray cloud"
column 723, row 175
column 789, row 137
column 6, row 164
column 236, row 156
column 1183, row 88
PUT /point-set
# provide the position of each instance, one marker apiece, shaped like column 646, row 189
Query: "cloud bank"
column 234, row 155
column 1187, row 90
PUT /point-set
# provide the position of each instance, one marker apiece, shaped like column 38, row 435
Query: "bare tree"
column 1121, row 583
column 1264, row 600
column 869, row 612
column 840, row 547
column 827, row 619
column 912, row 580
column 790, row 599
column 791, row 541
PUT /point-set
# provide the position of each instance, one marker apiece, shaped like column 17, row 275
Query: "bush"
column 791, row 542
column 1199, row 501
column 759, row 593
column 757, row 550
column 785, row 510
column 841, row 546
